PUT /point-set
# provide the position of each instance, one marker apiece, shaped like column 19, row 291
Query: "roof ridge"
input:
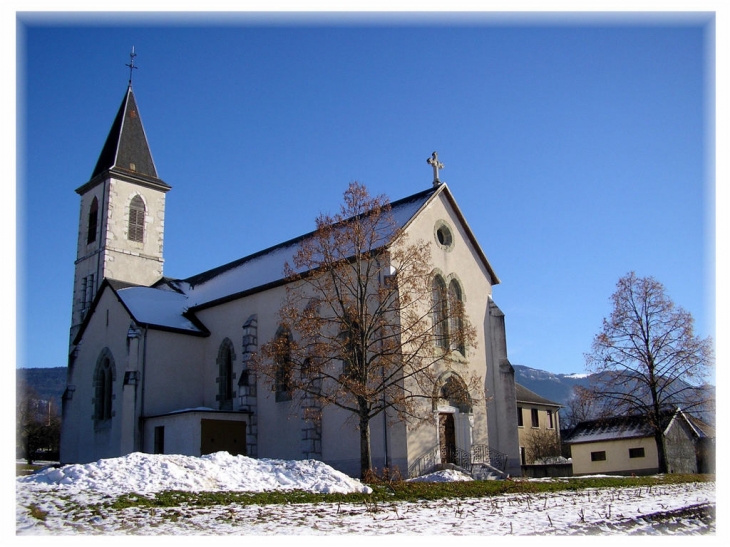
column 207, row 275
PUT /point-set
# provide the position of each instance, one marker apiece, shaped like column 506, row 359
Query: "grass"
column 397, row 491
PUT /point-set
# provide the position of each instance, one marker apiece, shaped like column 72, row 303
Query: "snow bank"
column 144, row 473
column 447, row 475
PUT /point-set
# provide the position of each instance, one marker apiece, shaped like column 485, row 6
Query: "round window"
column 443, row 235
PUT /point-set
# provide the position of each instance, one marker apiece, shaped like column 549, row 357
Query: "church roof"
column 170, row 304
column 126, row 150
column 265, row 268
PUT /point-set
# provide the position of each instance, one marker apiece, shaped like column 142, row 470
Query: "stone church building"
column 162, row 365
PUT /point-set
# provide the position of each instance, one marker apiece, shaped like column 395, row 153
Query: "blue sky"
column 579, row 148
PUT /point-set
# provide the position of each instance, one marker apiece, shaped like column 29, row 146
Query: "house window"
column 225, row 375
column 636, row 452
column 550, row 423
column 535, row 418
column 136, row 220
column 523, row 456
column 282, row 358
column 93, row 219
column 456, row 321
column 598, row 456
column 440, row 312
column 520, row 423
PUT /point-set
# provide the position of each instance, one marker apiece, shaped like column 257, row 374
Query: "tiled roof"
column 619, row 427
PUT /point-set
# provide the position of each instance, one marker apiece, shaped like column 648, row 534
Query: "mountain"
column 556, row 387
column 559, row 388
column 47, row 383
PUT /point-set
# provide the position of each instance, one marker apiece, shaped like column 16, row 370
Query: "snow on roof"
column 610, row 429
column 267, row 266
column 158, row 307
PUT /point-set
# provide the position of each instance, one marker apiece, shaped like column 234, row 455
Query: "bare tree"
column 38, row 425
column 648, row 357
column 584, row 404
column 542, row 445
column 363, row 326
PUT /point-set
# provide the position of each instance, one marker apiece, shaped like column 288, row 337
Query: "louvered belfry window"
column 136, row 220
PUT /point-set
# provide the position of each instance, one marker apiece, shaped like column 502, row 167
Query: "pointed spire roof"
column 126, row 151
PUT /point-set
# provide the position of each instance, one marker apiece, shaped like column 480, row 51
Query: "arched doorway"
column 453, row 405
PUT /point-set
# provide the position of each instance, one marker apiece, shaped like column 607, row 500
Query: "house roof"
column 524, row 395
column 624, row 427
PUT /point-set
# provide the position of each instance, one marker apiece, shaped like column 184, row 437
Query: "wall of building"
column 526, row 431
column 617, row 457
column 82, row 438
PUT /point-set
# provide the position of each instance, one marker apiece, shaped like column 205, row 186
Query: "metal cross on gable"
column 434, row 162
column 130, row 64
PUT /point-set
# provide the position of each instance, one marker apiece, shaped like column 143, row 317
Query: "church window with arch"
column 93, row 221
column 456, row 317
column 136, row 219
column 104, row 387
column 225, row 375
column 440, row 312
column 284, row 367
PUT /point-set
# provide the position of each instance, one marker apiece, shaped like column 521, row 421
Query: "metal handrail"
column 479, row 455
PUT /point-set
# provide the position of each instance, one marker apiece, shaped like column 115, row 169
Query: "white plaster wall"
column 81, row 441
column 462, row 261
column 173, row 372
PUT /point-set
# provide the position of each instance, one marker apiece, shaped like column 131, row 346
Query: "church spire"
column 126, row 150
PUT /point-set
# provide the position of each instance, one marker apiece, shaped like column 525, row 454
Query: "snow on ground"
column 64, row 497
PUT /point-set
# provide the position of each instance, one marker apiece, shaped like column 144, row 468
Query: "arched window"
column 225, row 375
column 93, row 220
column 104, row 376
column 136, row 220
column 456, row 317
column 440, row 312
column 353, row 348
column 282, row 359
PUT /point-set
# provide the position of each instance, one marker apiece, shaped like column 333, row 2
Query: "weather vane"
column 131, row 64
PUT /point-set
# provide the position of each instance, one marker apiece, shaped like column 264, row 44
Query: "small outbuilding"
column 626, row 445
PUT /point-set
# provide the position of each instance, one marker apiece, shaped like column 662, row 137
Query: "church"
column 163, row 365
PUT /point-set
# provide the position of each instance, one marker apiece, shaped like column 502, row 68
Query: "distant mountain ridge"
column 556, row 387
column 48, row 383
column 559, row 387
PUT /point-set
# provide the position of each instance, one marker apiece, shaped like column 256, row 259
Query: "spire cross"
column 130, row 64
column 434, row 162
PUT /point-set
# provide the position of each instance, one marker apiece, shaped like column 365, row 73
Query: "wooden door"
column 447, row 437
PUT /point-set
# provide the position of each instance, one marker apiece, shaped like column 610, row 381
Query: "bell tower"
column 122, row 219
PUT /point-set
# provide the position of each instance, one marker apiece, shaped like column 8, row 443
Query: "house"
column 538, row 426
column 626, row 445
column 162, row 365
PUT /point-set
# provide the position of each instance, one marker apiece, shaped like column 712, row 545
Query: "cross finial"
column 130, row 64
column 434, row 162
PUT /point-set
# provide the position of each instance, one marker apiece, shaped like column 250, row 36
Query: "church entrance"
column 447, row 438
